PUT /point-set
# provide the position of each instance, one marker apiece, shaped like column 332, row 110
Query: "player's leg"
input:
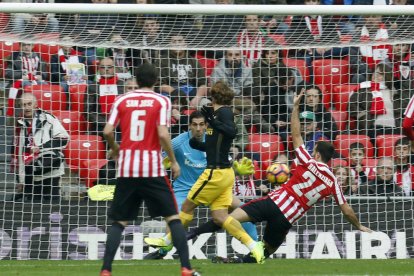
column 163, row 251
column 161, row 202
column 248, row 226
column 124, row 207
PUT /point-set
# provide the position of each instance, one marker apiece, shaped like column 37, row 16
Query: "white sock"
column 167, row 239
column 251, row 245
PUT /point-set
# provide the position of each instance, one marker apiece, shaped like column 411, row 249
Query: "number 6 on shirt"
column 137, row 126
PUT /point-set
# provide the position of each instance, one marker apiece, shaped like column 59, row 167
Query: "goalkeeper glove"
column 245, row 167
column 208, row 113
column 101, row 192
column 166, row 162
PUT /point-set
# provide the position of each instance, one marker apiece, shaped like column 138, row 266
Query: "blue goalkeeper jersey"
column 192, row 162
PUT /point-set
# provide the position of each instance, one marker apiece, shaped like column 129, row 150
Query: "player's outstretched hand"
column 362, row 228
column 297, row 98
column 245, row 167
column 175, row 169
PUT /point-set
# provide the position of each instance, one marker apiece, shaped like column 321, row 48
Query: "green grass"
column 168, row 267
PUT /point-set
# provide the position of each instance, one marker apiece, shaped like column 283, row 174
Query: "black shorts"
column 130, row 192
column 277, row 227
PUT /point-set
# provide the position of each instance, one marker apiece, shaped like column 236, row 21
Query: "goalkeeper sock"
column 235, row 229
column 180, row 242
column 112, row 243
column 185, row 220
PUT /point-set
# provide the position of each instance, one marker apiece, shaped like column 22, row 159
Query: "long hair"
column 222, row 93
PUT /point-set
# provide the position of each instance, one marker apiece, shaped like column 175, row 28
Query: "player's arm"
column 294, row 121
column 109, row 135
column 165, row 141
column 224, row 121
column 197, row 144
column 349, row 214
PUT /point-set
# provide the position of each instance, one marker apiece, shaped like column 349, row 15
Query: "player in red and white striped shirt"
column 144, row 118
column 311, row 182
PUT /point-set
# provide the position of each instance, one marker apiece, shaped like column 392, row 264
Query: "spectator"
column 400, row 61
column 233, row 71
column 218, row 28
column 130, row 85
column 66, row 56
column 404, row 170
column 179, row 70
column 373, row 105
column 358, row 171
column 39, row 22
column 363, row 59
column 383, row 184
column 313, row 102
column 23, row 68
column 253, row 39
column 102, row 95
column 408, row 121
column 310, row 132
column 242, row 137
column 267, row 68
column 38, row 157
column 345, row 180
column 179, row 119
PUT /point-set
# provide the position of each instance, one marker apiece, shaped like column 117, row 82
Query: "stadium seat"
column 341, row 94
column 341, row 119
column 208, row 64
column 77, row 95
column 73, row 121
column 330, row 72
column 370, row 162
column 267, row 145
column 343, row 141
column 46, row 51
column 299, row 64
column 385, row 144
column 6, row 49
column 188, row 111
column 89, row 170
column 49, row 96
column 82, row 148
column 337, row 162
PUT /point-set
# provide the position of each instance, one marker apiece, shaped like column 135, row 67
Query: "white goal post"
column 355, row 61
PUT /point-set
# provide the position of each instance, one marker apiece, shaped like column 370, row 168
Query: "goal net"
column 356, row 71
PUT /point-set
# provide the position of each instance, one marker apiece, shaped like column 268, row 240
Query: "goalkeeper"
column 193, row 163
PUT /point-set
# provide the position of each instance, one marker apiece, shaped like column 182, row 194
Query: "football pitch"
column 169, row 267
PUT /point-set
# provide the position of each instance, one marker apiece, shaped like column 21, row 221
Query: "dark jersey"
column 219, row 138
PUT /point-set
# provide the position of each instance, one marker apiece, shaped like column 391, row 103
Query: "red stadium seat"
column 82, row 148
column 330, row 72
column 341, row 119
column 343, row 141
column 370, row 162
column 46, row 51
column 188, row 111
column 267, row 145
column 341, row 94
column 73, row 121
column 49, row 96
column 6, row 49
column 77, row 97
column 208, row 64
column 89, row 170
column 299, row 64
column 338, row 163
column 385, row 144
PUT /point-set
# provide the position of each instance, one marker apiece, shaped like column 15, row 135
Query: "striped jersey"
column 311, row 182
column 138, row 114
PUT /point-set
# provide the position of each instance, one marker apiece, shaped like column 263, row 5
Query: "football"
column 277, row 173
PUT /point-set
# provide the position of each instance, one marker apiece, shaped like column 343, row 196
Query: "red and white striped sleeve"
column 337, row 193
column 114, row 115
column 302, row 155
column 164, row 118
column 408, row 121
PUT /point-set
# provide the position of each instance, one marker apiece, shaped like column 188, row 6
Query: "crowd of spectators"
column 250, row 57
